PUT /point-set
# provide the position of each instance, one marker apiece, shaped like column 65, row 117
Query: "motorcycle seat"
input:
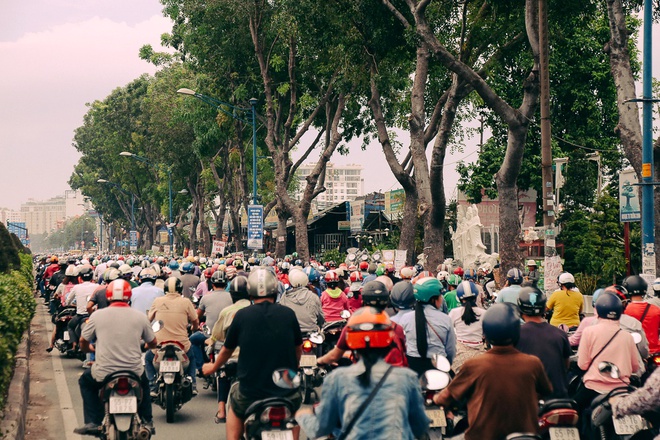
column 551, row 404
column 120, row 373
column 258, row 406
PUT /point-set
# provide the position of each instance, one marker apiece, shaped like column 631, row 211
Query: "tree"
column 9, row 259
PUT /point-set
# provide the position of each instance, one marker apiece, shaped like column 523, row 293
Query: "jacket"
column 307, row 307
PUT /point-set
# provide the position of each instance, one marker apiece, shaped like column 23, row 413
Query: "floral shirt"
column 642, row 400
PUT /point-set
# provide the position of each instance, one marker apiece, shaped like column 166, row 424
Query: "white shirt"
column 468, row 334
column 81, row 293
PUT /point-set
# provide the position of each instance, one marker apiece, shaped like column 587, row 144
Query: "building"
column 342, row 183
column 7, row 215
column 48, row 215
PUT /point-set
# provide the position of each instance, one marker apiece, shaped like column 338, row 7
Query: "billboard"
column 394, row 203
column 629, row 210
column 489, row 209
column 357, row 215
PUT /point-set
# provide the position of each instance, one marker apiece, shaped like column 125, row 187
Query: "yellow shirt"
column 567, row 306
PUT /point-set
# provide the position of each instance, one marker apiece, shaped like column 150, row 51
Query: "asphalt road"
column 56, row 405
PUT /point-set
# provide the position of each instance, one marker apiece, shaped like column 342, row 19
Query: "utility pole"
column 546, row 147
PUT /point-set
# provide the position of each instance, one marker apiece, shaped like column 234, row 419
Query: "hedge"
column 17, row 306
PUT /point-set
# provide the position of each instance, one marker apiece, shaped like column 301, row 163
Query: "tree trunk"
column 408, row 228
column 280, row 243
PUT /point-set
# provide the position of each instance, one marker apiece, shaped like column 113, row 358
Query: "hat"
column 356, row 286
column 531, row 263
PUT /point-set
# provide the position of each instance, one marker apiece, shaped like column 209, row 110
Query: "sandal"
column 217, row 419
column 49, row 349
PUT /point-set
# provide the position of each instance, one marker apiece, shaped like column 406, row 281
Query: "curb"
column 12, row 425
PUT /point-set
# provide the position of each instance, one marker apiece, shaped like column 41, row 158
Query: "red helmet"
column 331, row 277
column 118, row 290
column 369, row 328
column 364, row 265
column 459, row 271
column 355, row 277
column 389, row 268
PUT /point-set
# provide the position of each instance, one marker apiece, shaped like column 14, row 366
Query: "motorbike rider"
column 397, row 406
column 376, row 295
column 80, row 294
column 305, row 304
column 402, row 299
column 450, row 298
column 189, row 280
column 239, row 296
column 567, row 303
column 509, row 293
column 642, row 401
column 99, row 298
column 145, row 294
column 545, row 341
column 502, row 386
column 333, row 300
column 270, row 339
column 532, row 273
column 62, row 292
column 118, row 330
column 604, row 341
column 647, row 313
column 177, row 313
column 428, row 331
column 210, row 306
column 53, row 282
column 467, row 324
column 655, row 287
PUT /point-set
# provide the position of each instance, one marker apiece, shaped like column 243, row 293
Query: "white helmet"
column 71, row 271
column 125, row 269
column 261, row 283
column 566, row 278
column 442, row 275
column 656, row 286
column 298, row 278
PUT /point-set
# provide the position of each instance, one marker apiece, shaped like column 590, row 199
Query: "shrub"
column 17, row 305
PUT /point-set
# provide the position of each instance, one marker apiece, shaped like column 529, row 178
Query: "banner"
column 255, row 229
column 218, row 247
column 400, row 258
column 629, row 210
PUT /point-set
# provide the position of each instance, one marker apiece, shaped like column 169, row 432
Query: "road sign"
column 629, row 210
column 134, row 241
column 255, row 230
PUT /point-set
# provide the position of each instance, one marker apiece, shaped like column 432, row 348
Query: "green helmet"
column 426, row 288
column 454, row 280
column 380, row 270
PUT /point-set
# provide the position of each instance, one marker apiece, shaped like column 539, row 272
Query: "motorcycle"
column 332, row 331
column 312, row 375
column 558, row 419
column 121, row 396
column 173, row 384
column 433, row 381
column 63, row 341
column 273, row 418
column 602, row 416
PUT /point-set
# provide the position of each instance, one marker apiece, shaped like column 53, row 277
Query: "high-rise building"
column 7, row 215
column 48, row 215
column 342, row 183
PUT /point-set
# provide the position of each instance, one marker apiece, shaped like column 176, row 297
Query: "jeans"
column 198, row 340
column 93, row 409
column 151, row 370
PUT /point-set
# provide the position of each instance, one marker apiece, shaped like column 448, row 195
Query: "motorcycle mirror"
column 441, row 363
column 345, row 314
column 609, row 367
column 636, row 337
column 157, row 325
column 316, row 338
column 434, row 380
column 286, row 378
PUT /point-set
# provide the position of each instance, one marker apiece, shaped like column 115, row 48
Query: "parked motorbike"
column 602, row 417
column 273, row 418
column 121, row 395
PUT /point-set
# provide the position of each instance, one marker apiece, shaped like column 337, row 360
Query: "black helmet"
column 531, row 301
column 501, row 324
column 402, row 296
column 173, row 285
column 219, row 278
column 609, row 306
column 375, row 294
column 86, row 273
column 238, row 288
column 635, row 285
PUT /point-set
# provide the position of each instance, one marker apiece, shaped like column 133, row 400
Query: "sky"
column 59, row 55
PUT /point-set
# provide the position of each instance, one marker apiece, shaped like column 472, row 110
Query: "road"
column 56, row 406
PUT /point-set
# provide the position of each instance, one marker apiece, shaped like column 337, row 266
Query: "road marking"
column 68, row 413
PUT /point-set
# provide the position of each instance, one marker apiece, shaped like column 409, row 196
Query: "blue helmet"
column 467, row 289
column 311, row 273
column 501, row 324
column 187, row 267
column 173, row 264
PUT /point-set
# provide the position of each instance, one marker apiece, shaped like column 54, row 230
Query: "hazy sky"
column 58, row 55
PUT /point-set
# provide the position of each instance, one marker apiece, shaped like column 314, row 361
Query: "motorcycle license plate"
column 277, row 435
column 170, row 366
column 437, row 416
column 628, row 425
column 564, row 434
column 123, row 405
column 66, row 336
column 307, row 360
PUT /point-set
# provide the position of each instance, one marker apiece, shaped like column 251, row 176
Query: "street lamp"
column 252, row 120
column 169, row 187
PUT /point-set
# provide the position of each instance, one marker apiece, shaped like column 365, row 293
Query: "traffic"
column 360, row 349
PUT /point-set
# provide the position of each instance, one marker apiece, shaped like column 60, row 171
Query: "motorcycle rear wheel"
column 169, row 403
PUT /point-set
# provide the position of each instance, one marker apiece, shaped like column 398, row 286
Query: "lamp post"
column 169, row 187
column 252, row 120
column 133, row 231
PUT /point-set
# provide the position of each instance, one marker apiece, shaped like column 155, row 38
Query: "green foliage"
column 9, row 259
column 333, row 255
column 17, row 305
column 586, row 283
